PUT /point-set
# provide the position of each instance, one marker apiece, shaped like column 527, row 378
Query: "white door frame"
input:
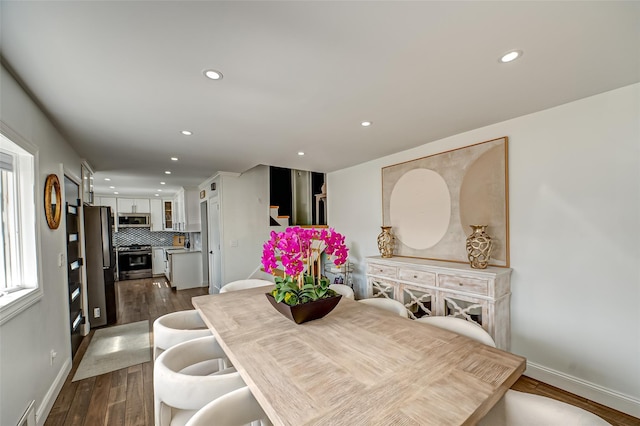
column 215, row 238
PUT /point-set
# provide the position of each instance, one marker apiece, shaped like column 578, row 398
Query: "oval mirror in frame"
column 52, row 201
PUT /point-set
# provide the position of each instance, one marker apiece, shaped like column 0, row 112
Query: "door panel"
column 74, row 262
column 215, row 261
column 204, row 232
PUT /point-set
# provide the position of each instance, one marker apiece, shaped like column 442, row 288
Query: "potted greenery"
column 302, row 294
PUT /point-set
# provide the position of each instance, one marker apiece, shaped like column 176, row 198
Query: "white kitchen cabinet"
column 185, row 268
column 134, row 205
column 178, row 211
column 186, row 210
column 157, row 261
column 157, row 215
column 167, row 208
column 143, row 205
column 429, row 287
column 106, row 201
column 126, row 205
column 192, row 210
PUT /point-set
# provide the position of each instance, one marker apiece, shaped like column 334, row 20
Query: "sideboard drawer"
column 418, row 277
column 382, row 270
column 472, row 285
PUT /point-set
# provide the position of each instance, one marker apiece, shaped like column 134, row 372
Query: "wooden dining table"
column 359, row 365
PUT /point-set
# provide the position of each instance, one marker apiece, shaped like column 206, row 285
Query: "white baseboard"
column 610, row 398
column 47, row 402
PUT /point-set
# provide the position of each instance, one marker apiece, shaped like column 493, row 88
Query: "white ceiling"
column 122, row 79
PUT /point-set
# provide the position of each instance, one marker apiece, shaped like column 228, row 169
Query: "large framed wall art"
column 431, row 202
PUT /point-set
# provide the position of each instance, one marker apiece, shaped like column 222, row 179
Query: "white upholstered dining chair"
column 525, row 409
column 259, row 273
column 344, row 290
column 237, row 408
column 460, row 326
column 177, row 327
column 387, row 304
column 187, row 376
column 517, row 408
column 244, row 284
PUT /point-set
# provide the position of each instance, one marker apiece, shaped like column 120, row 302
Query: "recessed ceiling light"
column 116, row 192
column 186, row 133
column 365, row 124
column 107, row 179
column 159, row 190
column 112, row 187
column 167, row 172
column 174, row 158
column 300, row 153
column 213, row 74
column 157, row 195
column 511, row 56
column 161, row 183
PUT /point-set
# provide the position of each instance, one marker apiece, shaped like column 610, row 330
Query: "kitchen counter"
column 161, row 255
column 180, row 250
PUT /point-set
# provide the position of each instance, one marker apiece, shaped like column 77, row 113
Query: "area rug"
column 114, row 348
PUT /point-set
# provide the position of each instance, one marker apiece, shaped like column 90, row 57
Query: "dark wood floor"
column 125, row 397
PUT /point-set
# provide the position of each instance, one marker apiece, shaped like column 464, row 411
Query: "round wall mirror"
column 52, row 201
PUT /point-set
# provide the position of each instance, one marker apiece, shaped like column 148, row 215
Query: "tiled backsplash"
column 143, row 236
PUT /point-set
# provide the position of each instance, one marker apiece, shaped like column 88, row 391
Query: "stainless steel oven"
column 134, row 262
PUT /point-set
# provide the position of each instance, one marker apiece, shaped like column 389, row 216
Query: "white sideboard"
column 429, row 287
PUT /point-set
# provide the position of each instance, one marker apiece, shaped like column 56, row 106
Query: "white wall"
column 27, row 339
column 244, row 214
column 245, row 204
column 574, row 200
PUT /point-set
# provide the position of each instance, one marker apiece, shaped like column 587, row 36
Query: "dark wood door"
column 74, row 263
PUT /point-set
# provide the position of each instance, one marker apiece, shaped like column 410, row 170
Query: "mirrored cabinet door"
column 419, row 302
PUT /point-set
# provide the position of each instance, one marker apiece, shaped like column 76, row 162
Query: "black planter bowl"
column 307, row 311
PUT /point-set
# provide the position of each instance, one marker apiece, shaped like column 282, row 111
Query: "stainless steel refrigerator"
column 100, row 262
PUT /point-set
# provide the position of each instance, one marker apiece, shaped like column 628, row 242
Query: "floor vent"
column 29, row 416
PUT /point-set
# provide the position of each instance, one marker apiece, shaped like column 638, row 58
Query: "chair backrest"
column 177, row 327
column 460, row 326
column 244, row 284
column 387, row 304
column 233, row 409
column 525, row 409
column 259, row 273
column 179, row 381
column 344, row 290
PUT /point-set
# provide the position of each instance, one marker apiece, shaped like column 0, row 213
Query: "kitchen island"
column 183, row 267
